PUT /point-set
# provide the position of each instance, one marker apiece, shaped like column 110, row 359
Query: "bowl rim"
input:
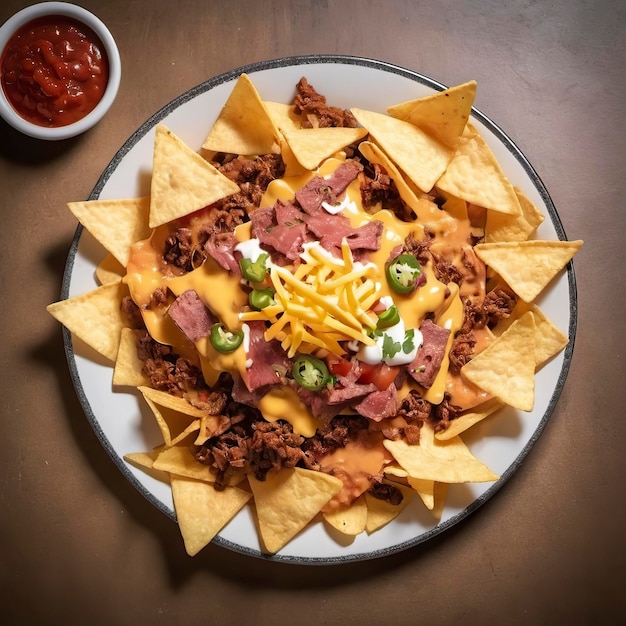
column 65, row 9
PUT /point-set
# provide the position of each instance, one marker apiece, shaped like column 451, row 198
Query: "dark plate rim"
column 317, row 59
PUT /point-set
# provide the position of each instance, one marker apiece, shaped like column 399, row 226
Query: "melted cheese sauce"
column 354, row 464
column 222, row 293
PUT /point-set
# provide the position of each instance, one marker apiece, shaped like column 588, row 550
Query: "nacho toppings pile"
column 316, row 304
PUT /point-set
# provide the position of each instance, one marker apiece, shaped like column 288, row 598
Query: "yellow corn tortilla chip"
column 180, row 460
column 286, row 501
column 466, row 420
column 506, row 368
column 182, row 181
column 381, row 512
column 311, row 146
column 209, row 425
column 423, row 207
column 109, row 270
column 349, row 520
column 175, row 424
column 441, row 461
column 116, row 224
column 166, row 400
column 244, row 125
column 143, row 459
column 475, row 175
column 549, row 340
column 527, row 266
column 425, row 489
column 94, row 317
column 285, row 119
column 128, row 366
column 203, row 511
column 145, row 462
column 283, row 115
column 422, row 158
column 443, row 115
column 503, row 227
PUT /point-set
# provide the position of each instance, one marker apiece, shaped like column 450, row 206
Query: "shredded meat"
column 255, row 444
column 413, row 412
column 498, row 305
column 444, row 413
column 317, row 114
column 132, row 313
column 179, row 249
column 461, row 351
column 388, row 493
column 273, row 446
column 378, row 188
column 419, row 248
column 335, row 434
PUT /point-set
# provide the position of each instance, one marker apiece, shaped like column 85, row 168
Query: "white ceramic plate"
column 123, row 426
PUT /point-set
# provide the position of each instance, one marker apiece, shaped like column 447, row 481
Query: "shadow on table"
column 15, row 146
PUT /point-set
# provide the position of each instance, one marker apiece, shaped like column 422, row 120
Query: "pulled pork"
column 316, row 113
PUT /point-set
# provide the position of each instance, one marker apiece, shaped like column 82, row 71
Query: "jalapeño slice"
column 224, row 340
column 254, row 271
column 403, row 273
column 310, row 372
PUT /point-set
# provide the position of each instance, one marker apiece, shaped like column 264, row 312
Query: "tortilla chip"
column 475, row 175
column 349, row 520
column 143, row 459
column 421, row 205
column 182, row 181
column 503, row 227
column 283, row 115
column 506, row 368
column 244, row 125
column 381, row 512
column 109, row 270
column 311, row 146
column 527, row 266
column 180, row 460
column 425, row 489
column 94, row 317
column 128, row 366
column 441, row 461
column 442, row 115
column 209, row 425
column 466, row 420
column 203, row 511
column 145, row 462
column 116, row 224
column 422, row 158
column 175, row 417
column 549, row 340
column 164, row 399
column 286, row 501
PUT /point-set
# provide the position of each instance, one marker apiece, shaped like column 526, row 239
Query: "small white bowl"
column 10, row 115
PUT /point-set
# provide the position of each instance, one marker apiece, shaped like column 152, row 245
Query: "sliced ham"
column 379, row 405
column 221, row 246
column 285, row 238
column 191, row 315
column 266, row 358
column 430, row 355
column 330, row 230
column 327, row 189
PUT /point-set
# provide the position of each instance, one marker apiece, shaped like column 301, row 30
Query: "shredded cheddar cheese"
column 326, row 300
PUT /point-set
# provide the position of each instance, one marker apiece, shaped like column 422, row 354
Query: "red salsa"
column 54, row 71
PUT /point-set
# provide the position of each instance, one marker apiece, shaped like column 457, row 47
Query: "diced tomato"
column 381, row 375
column 339, row 366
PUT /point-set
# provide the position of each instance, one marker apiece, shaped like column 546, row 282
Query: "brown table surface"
column 79, row 545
